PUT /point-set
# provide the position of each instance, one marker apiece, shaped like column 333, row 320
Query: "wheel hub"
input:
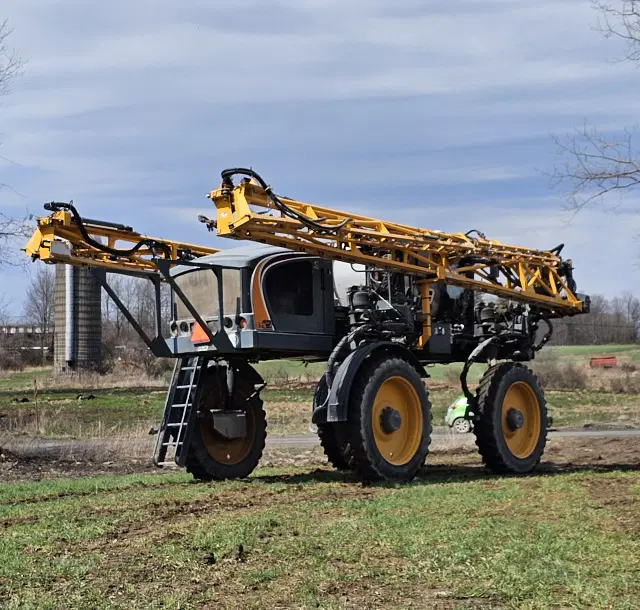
column 515, row 419
column 390, row 420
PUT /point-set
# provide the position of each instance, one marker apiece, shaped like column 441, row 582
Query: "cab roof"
column 236, row 258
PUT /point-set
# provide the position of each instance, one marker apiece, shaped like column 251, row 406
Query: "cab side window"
column 289, row 288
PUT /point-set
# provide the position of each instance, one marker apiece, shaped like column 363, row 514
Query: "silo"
column 78, row 323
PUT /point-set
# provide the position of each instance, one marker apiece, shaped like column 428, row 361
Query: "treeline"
column 615, row 320
column 120, row 341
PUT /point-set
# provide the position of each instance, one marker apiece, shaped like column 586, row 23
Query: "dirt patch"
column 448, row 458
column 13, row 468
column 606, row 453
column 619, row 497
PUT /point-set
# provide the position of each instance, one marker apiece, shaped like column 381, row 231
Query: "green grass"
column 595, row 350
column 320, row 541
column 116, row 411
column 584, row 352
column 23, row 380
column 64, row 412
column 577, row 407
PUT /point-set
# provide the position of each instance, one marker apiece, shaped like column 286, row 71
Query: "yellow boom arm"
column 58, row 238
column 251, row 211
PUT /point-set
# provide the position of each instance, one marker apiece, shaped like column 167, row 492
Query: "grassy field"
column 449, row 373
column 298, row 535
column 288, row 538
column 572, row 352
column 97, row 408
column 127, row 411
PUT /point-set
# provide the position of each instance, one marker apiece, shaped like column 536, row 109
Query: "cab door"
column 295, row 294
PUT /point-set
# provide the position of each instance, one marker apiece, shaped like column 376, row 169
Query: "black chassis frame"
column 158, row 344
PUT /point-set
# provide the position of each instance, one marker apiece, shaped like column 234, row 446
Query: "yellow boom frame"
column 524, row 274
column 248, row 212
column 58, row 239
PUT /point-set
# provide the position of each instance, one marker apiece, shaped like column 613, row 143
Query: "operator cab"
column 252, row 298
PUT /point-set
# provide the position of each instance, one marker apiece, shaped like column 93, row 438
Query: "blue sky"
column 434, row 113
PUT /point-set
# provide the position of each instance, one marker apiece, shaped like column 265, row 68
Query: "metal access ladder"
column 180, row 412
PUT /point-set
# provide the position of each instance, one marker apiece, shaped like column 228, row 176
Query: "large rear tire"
column 211, row 456
column 388, row 430
column 511, row 429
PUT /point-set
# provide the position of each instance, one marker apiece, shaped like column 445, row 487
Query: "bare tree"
column 39, row 307
column 10, row 62
column 614, row 320
column 10, row 67
column 5, row 314
column 592, row 163
column 632, row 310
column 12, row 231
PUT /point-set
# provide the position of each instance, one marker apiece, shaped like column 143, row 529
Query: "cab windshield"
column 201, row 288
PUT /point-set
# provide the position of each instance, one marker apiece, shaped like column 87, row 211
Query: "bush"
column 574, row 377
column 10, row 361
column 552, row 374
column 628, row 367
column 156, row 368
column 625, row 384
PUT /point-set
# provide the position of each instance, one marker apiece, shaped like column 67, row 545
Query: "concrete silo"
column 78, row 322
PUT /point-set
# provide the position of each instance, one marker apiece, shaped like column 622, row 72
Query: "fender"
column 246, row 371
column 240, row 367
column 335, row 409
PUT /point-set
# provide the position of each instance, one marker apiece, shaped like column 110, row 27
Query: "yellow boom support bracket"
column 512, row 272
column 58, row 239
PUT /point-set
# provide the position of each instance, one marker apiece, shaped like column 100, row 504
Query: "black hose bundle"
column 316, row 225
column 547, row 335
column 55, row 206
column 354, row 335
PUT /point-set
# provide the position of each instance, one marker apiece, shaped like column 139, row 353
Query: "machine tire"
column 329, row 432
column 506, row 388
column 330, row 441
column 210, row 456
column 382, row 386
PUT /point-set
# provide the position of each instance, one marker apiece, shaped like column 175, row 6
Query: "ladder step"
column 173, row 437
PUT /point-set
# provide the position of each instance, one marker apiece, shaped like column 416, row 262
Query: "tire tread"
column 360, row 455
column 494, row 455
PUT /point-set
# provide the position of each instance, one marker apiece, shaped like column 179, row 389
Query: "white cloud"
column 431, row 113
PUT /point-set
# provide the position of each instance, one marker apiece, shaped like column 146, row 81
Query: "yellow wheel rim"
column 520, row 407
column 223, row 450
column 397, row 446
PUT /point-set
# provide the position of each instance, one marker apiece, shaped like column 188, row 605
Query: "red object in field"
column 606, row 362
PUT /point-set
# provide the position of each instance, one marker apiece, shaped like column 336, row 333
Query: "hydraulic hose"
column 467, row 365
column 77, row 219
column 228, row 174
column 474, row 357
column 339, row 348
column 547, row 335
column 478, row 233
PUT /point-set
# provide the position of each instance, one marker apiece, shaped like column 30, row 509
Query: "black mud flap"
column 334, row 407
